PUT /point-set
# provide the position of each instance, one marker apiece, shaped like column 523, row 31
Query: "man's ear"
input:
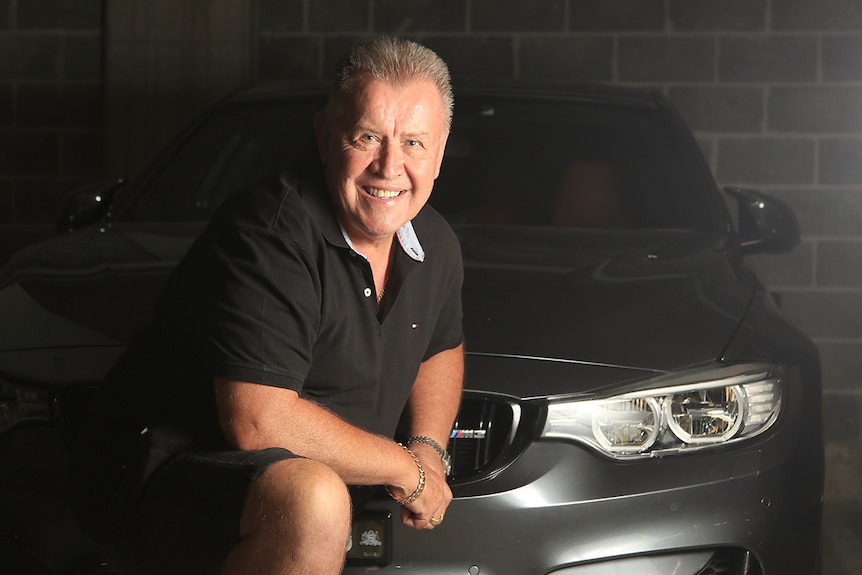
column 322, row 133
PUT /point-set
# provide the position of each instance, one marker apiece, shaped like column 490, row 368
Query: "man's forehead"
column 377, row 97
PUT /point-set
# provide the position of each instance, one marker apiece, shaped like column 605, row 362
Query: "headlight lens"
column 19, row 404
column 705, row 415
column 681, row 412
column 626, row 425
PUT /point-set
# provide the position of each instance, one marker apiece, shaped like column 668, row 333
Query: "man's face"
column 382, row 152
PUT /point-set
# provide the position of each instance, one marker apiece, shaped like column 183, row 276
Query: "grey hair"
column 394, row 60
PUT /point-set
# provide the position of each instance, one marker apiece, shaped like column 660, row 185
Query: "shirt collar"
column 407, row 239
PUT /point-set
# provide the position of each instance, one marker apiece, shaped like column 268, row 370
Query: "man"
column 286, row 346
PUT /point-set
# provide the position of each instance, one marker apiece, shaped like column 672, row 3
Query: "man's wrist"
column 444, row 455
column 419, row 488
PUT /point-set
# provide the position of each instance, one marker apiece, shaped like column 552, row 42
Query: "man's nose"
column 390, row 160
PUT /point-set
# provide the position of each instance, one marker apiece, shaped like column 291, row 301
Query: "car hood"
column 609, row 305
column 623, row 304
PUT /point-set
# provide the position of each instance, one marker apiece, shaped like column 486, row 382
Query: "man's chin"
column 369, row 232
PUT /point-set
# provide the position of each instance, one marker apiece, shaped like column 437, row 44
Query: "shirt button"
column 367, row 292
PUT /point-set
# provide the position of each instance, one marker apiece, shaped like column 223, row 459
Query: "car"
column 634, row 400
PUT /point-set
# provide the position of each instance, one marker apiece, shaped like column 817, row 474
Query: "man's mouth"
column 383, row 194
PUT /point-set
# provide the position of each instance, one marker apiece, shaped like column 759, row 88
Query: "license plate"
column 370, row 542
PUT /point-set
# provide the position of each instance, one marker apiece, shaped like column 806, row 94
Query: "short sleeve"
column 260, row 316
column 249, row 293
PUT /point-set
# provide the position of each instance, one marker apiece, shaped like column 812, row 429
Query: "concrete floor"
column 842, row 539
column 842, row 518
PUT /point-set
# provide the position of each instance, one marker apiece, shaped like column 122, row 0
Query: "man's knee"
column 297, row 495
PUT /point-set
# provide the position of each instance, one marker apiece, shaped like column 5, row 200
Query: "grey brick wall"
column 772, row 88
column 50, row 107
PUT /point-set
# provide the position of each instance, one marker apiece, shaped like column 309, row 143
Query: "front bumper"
column 561, row 509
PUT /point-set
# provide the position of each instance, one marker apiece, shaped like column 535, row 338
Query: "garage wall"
column 164, row 61
column 772, row 88
column 51, row 109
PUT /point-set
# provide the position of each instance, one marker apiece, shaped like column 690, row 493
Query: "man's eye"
column 413, row 143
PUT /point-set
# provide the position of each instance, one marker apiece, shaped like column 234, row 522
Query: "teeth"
column 382, row 194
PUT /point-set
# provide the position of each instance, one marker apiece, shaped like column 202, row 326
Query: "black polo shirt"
column 273, row 293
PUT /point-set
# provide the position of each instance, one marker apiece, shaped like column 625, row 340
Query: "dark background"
column 772, row 88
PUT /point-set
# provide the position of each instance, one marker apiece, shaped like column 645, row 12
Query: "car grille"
column 489, row 434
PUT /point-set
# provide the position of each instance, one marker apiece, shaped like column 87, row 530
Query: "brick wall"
column 50, row 107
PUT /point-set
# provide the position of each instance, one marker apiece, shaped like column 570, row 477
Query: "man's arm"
column 432, row 408
column 254, row 416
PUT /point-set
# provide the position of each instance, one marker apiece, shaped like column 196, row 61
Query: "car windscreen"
column 551, row 163
column 508, row 161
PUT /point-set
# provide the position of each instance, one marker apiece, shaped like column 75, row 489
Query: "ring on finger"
column 435, row 522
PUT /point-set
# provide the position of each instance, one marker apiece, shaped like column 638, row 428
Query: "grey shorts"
column 174, row 507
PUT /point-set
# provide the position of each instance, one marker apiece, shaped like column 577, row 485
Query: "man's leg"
column 296, row 520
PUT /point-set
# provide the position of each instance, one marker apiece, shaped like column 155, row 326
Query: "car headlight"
column 679, row 412
column 19, row 403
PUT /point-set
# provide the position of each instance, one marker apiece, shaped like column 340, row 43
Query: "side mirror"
column 86, row 205
column 766, row 225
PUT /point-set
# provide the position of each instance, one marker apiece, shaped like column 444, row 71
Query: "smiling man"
column 305, row 320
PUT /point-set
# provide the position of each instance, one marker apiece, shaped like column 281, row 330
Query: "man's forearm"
column 436, row 395
column 256, row 416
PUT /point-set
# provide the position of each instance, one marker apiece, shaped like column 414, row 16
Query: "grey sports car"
column 634, row 401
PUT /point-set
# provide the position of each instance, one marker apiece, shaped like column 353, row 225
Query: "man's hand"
column 435, row 497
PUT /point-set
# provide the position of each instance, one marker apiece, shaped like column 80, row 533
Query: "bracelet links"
column 419, row 488
column 444, row 455
column 428, row 441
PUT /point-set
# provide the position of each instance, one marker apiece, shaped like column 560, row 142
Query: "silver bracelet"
column 444, row 455
column 415, row 495
column 428, row 441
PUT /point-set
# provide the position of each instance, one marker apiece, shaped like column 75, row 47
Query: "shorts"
column 173, row 507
